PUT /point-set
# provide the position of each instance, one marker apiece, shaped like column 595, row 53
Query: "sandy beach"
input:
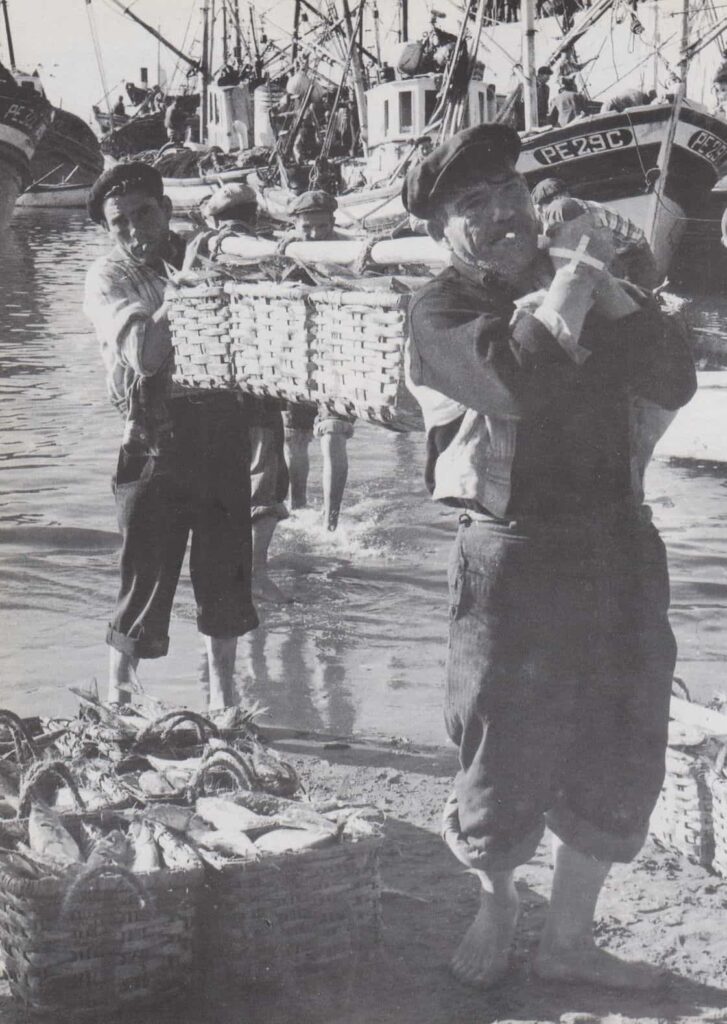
column 661, row 909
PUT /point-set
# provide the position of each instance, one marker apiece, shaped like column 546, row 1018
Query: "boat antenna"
column 8, row 35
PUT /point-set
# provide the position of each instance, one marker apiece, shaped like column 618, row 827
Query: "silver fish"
column 49, row 839
column 290, row 840
column 146, row 854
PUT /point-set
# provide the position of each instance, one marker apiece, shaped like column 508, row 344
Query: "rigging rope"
column 97, row 49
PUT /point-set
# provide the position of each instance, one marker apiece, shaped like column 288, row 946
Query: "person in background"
column 313, row 221
column 568, row 103
column 719, row 89
column 119, row 107
column 634, row 259
column 184, row 462
column 232, row 210
column 175, row 122
column 542, row 90
column 561, row 656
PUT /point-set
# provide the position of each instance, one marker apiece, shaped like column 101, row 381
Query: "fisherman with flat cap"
column 529, row 368
column 184, row 462
column 313, row 216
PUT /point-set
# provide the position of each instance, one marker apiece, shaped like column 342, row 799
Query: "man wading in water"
column 184, row 462
column 561, row 655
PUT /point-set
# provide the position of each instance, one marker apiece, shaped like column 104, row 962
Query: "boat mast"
column 157, row 35
column 8, row 35
column 667, row 143
column 530, row 95
column 204, row 73
column 354, row 57
column 403, row 20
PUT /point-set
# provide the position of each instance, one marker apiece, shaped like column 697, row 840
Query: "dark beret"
column 315, row 200
column 548, row 189
column 465, row 159
column 120, row 179
column 545, row 71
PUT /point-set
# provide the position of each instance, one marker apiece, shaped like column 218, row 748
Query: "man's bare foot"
column 331, row 520
column 483, row 956
column 586, row 963
column 263, row 589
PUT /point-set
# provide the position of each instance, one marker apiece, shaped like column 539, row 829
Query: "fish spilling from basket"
column 130, row 815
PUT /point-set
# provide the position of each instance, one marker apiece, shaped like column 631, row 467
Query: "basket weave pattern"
column 269, row 327
column 341, row 350
column 199, row 320
column 104, row 950
column 357, row 348
column 682, row 818
column 264, row 919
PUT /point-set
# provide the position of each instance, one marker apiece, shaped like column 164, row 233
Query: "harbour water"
column 363, row 647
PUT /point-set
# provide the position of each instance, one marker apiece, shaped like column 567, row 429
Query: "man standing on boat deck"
column 184, row 462
column 561, row 655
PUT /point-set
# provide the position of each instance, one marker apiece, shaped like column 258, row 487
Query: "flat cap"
column 467, row 158
column 120, row 179
column 315, row 200
column 229, row 197
column 548, row 189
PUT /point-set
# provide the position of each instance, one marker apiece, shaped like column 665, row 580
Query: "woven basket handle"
column 166, row 724
column 222, row 762
column 78, row 890
column 19, row 734
column 42, row 770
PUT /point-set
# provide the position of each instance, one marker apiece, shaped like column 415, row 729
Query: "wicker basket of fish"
column 294, row 888
column 199, row 320
column 358, row 350
column 98, row 912
column 717, row 781
column 682, row 819
column 270, row 326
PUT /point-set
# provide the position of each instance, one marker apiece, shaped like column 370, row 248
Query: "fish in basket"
column 98, row 912
column 682, row 819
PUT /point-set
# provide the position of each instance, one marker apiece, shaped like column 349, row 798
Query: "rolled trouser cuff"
column 487, row 853
column 137, row 647
column 328, row 425
column 278, row 511
column 589, row 839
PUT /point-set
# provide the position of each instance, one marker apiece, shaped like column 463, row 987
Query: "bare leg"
column 263, row 587
column 296, row 457
column 483, row 956
column 122, row 668
column 567, row 949
column 221, row 661
column 335, row 474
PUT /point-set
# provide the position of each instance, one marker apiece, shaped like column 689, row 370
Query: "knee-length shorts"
column 202, row 489
column 560, row 666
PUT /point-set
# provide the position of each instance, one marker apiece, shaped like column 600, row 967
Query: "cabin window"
column 430, row 103
column 406, row 119
column 386, row 117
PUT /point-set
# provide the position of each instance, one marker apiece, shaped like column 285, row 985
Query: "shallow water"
column 362, row 648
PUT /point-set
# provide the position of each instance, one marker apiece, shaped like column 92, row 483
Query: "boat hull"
column 54, row 197
column 611, row 158
column 23, row 120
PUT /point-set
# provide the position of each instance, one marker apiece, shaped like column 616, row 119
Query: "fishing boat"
column 24, row 117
